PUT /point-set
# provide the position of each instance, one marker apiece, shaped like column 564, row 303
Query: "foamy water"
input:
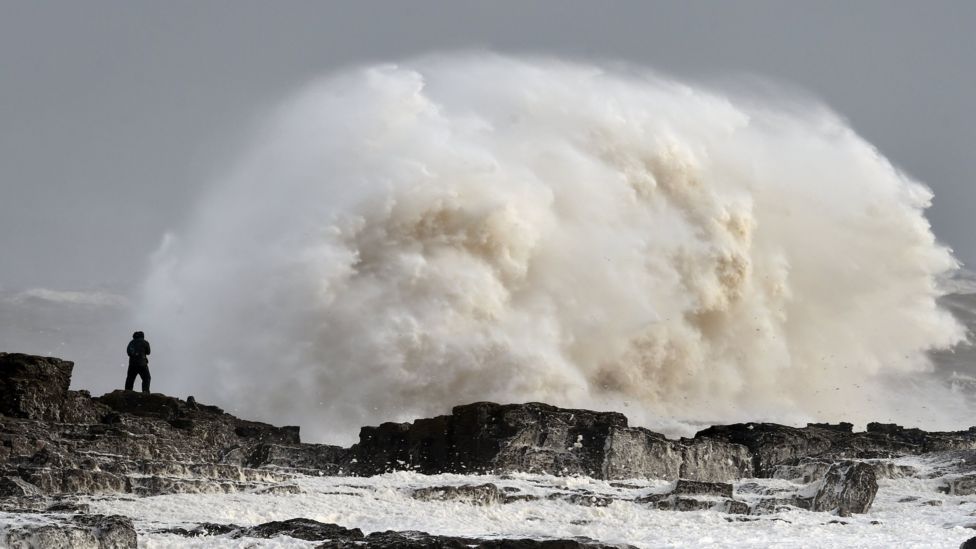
column 403, row 238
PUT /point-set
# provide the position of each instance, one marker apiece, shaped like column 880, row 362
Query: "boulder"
column 33, row 387
column 848, row 487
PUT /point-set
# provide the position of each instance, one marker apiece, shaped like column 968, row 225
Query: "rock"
column 696, row 488
column 806, row 471
column 772, row 444
column 693, row 495
column 585, row 499
column 17, row 487
column 112, row 532
column 530, row 437
column 487, row 437
column 842, row 427
column 281, row 490
column 675, row 502
column 482, row 494
column 317, row 458
column 639, row 453
column 33, row 387
column 848, row 487
column 714, row 460
column 960, row 486
column 301, row 528
column 969, row 544
column 79, row 407
column 82, row 532
column 336, row 536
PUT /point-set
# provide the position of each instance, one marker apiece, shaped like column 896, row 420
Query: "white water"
column 403, row 238
column 384, row 503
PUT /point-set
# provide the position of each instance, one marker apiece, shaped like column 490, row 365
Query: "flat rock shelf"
column 127, row 469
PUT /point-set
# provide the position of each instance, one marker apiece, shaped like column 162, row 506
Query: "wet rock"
column 848, row 487
column 33, row 387
column 639, row 453
column 203, row 529
column 683, row 503
column 781, row 503
column 697, row 488
column 714, row 460
column 969, row 544
column 487, row 437
column 81, row 532
column 317, row 458
column 692, row 495
column 300, row 528
column 842, row 427
column 482, row 494
column 886, row 469
column 80, row 407
column 806, row 471
column 771, row 444
column 281, row 490
column 17, row 487
column 532, row 438
column 584, row 499
column 960, row 486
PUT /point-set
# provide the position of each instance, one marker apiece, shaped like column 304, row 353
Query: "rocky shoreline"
column 59, row 447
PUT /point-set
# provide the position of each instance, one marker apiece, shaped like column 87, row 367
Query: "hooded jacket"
column 138, row 349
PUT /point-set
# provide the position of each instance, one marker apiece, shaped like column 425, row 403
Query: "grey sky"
column 114, row 114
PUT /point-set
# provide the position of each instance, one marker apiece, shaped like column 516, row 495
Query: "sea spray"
column 404, row 238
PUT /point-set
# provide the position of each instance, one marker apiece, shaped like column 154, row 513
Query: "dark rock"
column 848, row 487
column 806, row 471
column 281, row 490
column 584, row 499
column 322, row 458
column 960, row 486
column 17, row 487
column 301, row 528
column 81, row 532
column 772, row 444
column 487, row 437
column 33, row 387
column 79, row 407
column 714, row 460
column 683, row 503
column 203, row 529
column 482, row 494
column 639, row 453
column 696, row 488
column 842, row 427
column 969, row 544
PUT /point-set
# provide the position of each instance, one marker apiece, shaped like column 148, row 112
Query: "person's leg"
column 130, row 378
column 145, row 378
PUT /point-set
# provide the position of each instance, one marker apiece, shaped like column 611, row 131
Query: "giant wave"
column 403, row 238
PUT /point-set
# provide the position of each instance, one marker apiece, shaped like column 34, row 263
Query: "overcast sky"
column 113, row 115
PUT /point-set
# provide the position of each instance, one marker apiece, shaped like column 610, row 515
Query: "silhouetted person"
column 138, row 351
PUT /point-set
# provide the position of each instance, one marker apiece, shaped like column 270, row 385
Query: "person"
column 138, row 351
